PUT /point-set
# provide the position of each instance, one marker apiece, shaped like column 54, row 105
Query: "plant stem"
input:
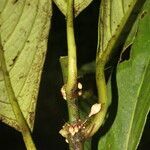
column 103, row 56
column 24, row 128
column 75, row 142
column 76, row 146
column 99, row 118
column 71, row 86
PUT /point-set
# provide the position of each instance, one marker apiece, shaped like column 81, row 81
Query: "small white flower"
column 66, row 141
column 63, row 92
column 63, row 132
column 72, row 130
column 80, row 93
column 76, row 129
column 95, row 109
column 79, row 86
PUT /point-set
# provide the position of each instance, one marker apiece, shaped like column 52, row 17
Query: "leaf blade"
column 25, row 46
column 133, row 90
column 79, row 6
column 112, row 26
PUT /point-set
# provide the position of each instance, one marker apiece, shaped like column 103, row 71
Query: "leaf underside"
column 79, row 6
column 133, row 92
column 24, row 32
column 113, row 17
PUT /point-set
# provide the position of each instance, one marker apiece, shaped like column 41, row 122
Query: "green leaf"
column 130, row 39
column 24, row 32
column 131, row 36
column 133, row 92
column 79, row 5
column 113, row 17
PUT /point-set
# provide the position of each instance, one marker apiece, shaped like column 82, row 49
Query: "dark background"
column 51, row 108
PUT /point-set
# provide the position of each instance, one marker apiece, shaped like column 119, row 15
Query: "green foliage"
column 24, row 32
column 133, row 92
column 112, row 19
column 79, row 5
